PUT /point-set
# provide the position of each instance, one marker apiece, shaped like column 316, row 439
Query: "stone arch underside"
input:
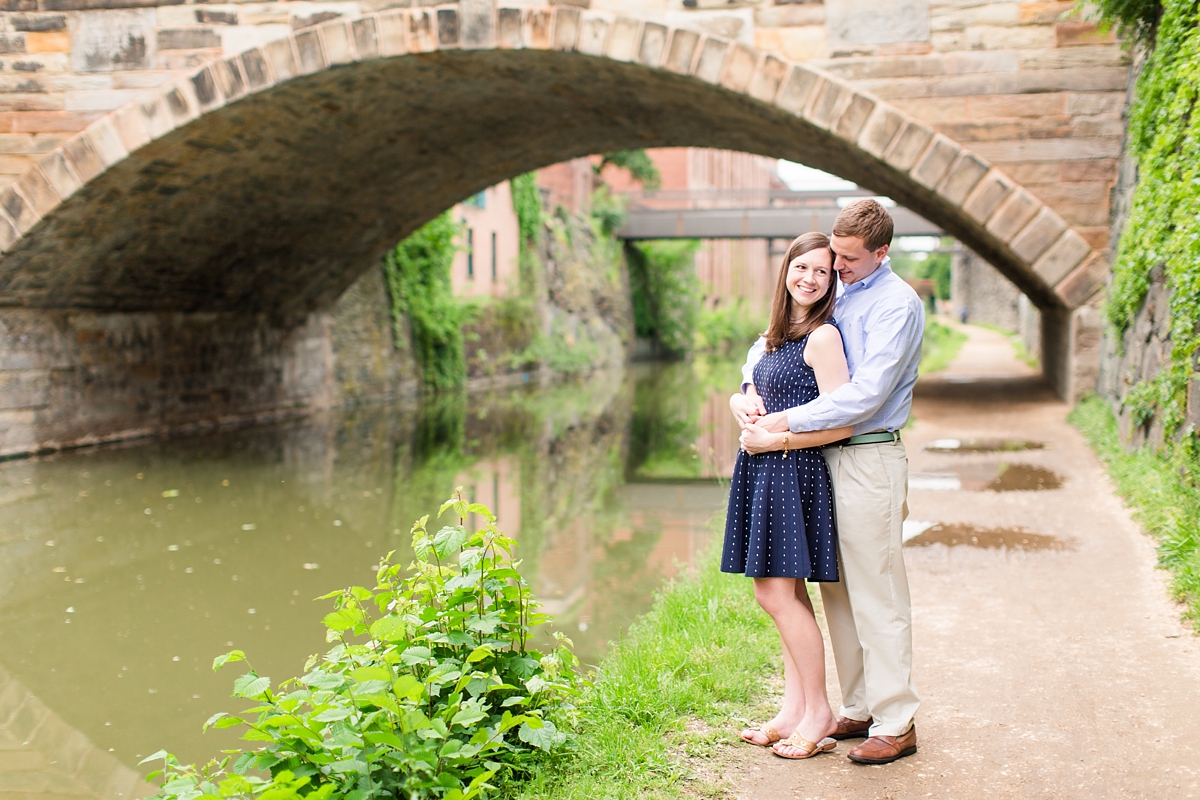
column 268, row 182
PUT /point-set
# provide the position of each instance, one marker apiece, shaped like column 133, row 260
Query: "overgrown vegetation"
column 431, row 689
column 531, row 221
column 666, row 292
column 730, row 328
column 692, row 668
column 417, row 274
column 1163, row 227
column 639, row 164
column 1162, row 492
column 940, row 346
column 934, row 267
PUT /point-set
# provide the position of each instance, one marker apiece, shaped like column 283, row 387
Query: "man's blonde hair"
column 868, row 220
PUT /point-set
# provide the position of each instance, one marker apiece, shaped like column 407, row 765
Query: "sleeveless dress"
column 780, row 522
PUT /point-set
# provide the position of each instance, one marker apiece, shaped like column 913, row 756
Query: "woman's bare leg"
column 787, row 601
column 791, row 711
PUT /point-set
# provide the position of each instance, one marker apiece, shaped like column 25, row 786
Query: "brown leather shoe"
column 850, row 729
column 885, row 749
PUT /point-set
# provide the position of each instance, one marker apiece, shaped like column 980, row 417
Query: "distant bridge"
column 748, row 214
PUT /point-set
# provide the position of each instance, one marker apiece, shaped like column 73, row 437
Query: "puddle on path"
column 987, row 477
column 960, row 535
column 982, row 445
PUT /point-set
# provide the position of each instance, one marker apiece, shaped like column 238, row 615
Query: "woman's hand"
column 756, row 439
column 747, row 408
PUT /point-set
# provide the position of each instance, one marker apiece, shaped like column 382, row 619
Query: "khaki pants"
column 869, row 611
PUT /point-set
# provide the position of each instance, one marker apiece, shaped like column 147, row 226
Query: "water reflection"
column 126, row 569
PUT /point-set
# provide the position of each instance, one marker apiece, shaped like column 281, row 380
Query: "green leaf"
column 334, row 714
column 250, row 686
column 546, row 737
column 208, row 723
column 481, row 510
column 155, row 756
column 319, row 679
column 228, row 658
column 449, row 540
column 361, row 594
column 515, row 700
column 372, row 674
column 480, row 653
column 417, row 655
column 344, row 619
column 389, row 629
column 468, row 716
column 407, row 687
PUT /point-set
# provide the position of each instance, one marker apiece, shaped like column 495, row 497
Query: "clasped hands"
column 760, row 430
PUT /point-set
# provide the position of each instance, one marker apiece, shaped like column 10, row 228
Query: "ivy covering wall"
column 1163, row 228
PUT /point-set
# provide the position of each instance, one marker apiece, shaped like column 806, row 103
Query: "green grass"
column 1162, row 492
column 685, row 675
column 1019, row 350
column 940, row 346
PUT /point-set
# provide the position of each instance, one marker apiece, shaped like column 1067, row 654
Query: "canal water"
column 125, row 569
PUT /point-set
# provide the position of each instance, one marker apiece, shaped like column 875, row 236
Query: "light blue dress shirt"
column 882, row 321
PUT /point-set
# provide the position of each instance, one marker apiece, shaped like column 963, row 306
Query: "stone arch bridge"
column 202, row 226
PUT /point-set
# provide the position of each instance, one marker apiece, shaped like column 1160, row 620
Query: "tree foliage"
column 641, row 168
column 417, row 273
column 666, row 292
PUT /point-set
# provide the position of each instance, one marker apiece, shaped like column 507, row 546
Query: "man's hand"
column 747, row 408
column 756, row 439
column 775, row 423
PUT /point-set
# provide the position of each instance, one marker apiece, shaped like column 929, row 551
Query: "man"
column 869, row 611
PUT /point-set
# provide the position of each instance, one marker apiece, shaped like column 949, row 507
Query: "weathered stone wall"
column 987, row 296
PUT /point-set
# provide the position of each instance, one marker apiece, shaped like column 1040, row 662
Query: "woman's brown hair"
column 782, row 327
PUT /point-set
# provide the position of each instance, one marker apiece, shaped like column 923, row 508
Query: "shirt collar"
column 885, row 267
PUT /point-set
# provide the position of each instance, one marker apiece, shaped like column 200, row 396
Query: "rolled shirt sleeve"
column 753, row 356
column 891, row 347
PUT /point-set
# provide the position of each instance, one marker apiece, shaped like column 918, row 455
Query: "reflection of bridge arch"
column 267, row 182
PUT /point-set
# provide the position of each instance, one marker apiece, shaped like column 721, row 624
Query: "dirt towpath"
column 1060, row 672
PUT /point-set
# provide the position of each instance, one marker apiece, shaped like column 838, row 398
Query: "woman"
column 780, row 527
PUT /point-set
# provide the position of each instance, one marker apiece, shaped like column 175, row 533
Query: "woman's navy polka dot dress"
column 780, row 522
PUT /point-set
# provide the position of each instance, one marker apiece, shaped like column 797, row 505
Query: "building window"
column 470, row 253
column 493, row 256
column 478, row 200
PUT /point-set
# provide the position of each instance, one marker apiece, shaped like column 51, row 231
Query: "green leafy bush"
column 731, row 327
column 639, row 164
column 939, row 346
column 417, row 274
column 430, row 690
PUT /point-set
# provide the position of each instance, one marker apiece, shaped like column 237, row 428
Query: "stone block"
column 909, row 145
column 366, row 38
column 987, row 195
column 106, row 142
column 797, row 90
column 130, row 125
column 447, row 28
column 1062, row 257
column 869, row 22
column 1066, row 149
column 422, row 31
column 795, row 44
column 182, row 103
column 19, row 5
column 478, row 21
column 880, row 130
column 790, row 16
column 97, row 99
column 949, row 18
column 39, row 22
column 739, row 68
column 55, row 168
column 682, row 51
column 1041, row 232
column 711, row 62
column 103, row 41
column 593, row 33
column 24, row 389
column 12, row 43
column 625, row 39
column 508, row 29
column 335, row 38
column 393, row 30
column 1072, row 57
column 1077, row 34
column 254, row 66
column 229, row 78
column 206, row 16
column 36, row 188
column 9, row 235
column 204, row 84
column 1085, row 282
column 311, row 54
column 566, row 28
column 282, row 59
column 48, row 42
column 828, row 100
column 18, row 209
column 537, row 26
column 767, row 79
column 156, row 116
column 853, row 116
column 1090, row 103
column 654, row 44
column 1013, row 215
column 1044, row 13
column 935, row 163
column 188, row 39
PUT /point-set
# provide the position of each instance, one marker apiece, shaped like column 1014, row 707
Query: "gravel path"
column 1059, row 671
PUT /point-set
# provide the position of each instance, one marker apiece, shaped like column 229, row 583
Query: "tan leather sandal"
column 766, row 730
column 810, row 749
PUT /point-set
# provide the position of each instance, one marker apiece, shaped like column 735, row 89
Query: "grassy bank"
column 690, row 670
column 940, row 346
column 1162, row 492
